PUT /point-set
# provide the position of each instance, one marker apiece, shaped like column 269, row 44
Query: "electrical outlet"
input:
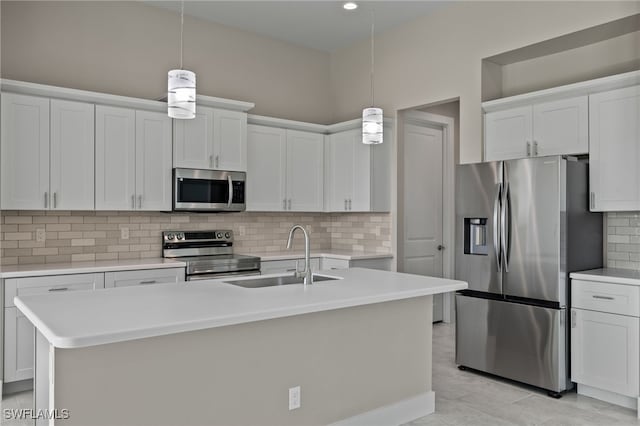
column 242, row 230
column 294, row 398
column 41, row 235
column 124, row 233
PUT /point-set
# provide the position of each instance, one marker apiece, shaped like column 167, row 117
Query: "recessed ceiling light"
column 350, row 5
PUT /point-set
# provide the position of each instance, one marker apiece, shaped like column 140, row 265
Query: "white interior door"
column 422, row 233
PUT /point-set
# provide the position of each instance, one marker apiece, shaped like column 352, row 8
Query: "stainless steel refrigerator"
column 521, row 227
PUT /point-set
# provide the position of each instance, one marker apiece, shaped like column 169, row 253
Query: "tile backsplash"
column 85, row 236
column 623, row 240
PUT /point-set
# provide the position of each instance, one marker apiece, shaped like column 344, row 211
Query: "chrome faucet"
column 307, row 274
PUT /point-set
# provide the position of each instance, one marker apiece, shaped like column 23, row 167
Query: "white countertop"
column 21, row 271
column 88, row 318
column 610, row 275
column 329, row 253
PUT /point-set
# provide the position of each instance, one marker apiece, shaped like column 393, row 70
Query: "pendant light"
column 372, row 116
column 181, row 92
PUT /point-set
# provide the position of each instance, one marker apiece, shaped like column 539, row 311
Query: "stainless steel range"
column 208, row 254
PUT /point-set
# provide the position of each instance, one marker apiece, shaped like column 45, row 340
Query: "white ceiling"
column 322, row 25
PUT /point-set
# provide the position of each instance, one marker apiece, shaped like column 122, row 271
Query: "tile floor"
column 466, row 398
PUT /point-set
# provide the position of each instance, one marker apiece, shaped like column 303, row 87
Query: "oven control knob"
column 170, row 236
column 227, row 235
column 180, row 236
column 219, row 235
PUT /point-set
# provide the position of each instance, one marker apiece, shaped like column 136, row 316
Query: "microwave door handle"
column 230, row 190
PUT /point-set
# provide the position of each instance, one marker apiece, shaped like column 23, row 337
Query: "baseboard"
column 394, row 414
column 607, row 396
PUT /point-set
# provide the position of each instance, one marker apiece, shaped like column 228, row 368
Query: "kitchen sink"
column 277, row 281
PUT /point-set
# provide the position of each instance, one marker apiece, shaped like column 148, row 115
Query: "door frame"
column 446, row 124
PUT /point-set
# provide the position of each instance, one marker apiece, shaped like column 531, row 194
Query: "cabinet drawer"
column 606, row 297
column 283, row 266
column 143, row 277
column 39, row 285
column 329, row 263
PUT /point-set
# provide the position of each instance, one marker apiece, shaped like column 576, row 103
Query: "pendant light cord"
column 181, row 32
column 372, row 56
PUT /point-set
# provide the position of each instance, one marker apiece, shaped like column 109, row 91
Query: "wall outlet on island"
column 294, row 398
column 124, row 233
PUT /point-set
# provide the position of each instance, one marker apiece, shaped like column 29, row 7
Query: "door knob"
column 440, row 247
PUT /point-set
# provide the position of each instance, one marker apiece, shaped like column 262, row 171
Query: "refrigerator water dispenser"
column 475, row 236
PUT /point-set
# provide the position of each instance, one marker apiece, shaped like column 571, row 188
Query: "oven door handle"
column 230, row 191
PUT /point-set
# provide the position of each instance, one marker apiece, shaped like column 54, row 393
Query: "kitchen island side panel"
column 346, row 361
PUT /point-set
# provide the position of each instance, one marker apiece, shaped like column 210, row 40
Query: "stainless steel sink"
column 276, row 281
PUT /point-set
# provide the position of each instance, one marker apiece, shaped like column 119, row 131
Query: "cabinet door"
column 193, row 141
column 230, row 140
column 507, row 133
column 72, row 155
column 305, row 171
column 266, row 171
column 287, row 266
column 360, row 199
column 561, row 127
column 15, row 287
column 614, row 155
column 153, row 161
column 18, row 346
column 381, row 172
column 604, row 351
column 339, row 170
column 115, row 158
column 24, row 152
column 143, row 277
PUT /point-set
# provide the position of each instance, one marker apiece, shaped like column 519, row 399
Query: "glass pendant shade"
column 372, row 126
column 181, row 94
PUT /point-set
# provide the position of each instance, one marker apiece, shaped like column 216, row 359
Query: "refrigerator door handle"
column 496, row 227
column 505, row 222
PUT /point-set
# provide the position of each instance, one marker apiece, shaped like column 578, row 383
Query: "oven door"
column 200, row 277
column 208, row 190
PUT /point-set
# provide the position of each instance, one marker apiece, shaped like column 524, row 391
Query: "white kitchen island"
column 212, row 353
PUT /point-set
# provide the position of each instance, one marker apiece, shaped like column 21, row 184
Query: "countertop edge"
column 70, row 269
column 65, row 342
column 586, row 276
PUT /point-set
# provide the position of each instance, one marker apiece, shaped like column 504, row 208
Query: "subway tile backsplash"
column 623, row 240
column 86, row 236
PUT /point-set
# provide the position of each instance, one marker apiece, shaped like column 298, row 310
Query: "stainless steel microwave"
column 208, row 190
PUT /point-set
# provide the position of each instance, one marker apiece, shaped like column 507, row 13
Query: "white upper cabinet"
column 230, row 140
column 193, row 141
column 614, row 158
column 115, row 158
column 214, row 139
column 348, row 172
column 561, row 127
column 508, row 134
column 72, row 155
column 153, row 161
column 47, row 153
column 551, row 128
column 305, row 171
column 25, row 152
column 266, row 168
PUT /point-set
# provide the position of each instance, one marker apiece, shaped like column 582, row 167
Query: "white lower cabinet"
column 605, row 341
column 143, row 277
column 329, row 263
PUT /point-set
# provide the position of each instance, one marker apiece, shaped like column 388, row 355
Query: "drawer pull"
column 59, row 289
column 291, row 270
column 148, row 282
column 603, row 297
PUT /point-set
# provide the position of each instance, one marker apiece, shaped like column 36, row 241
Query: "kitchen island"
column 210, row 352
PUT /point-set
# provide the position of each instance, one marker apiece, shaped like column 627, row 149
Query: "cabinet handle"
column 535, row 148
column 217, row 161
column 593, row 200
column 528, row 149
column 133, row 201
column 211, row 161
column 603, row 297
column 345, row 204
column 292, row 269
column 573, row 319
column 289, row 203
column 284, row 204
column 55, row 200
column 46, row 200
column 349, row 203
column 148, row 282
column 59, row 289
column 139, row 201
